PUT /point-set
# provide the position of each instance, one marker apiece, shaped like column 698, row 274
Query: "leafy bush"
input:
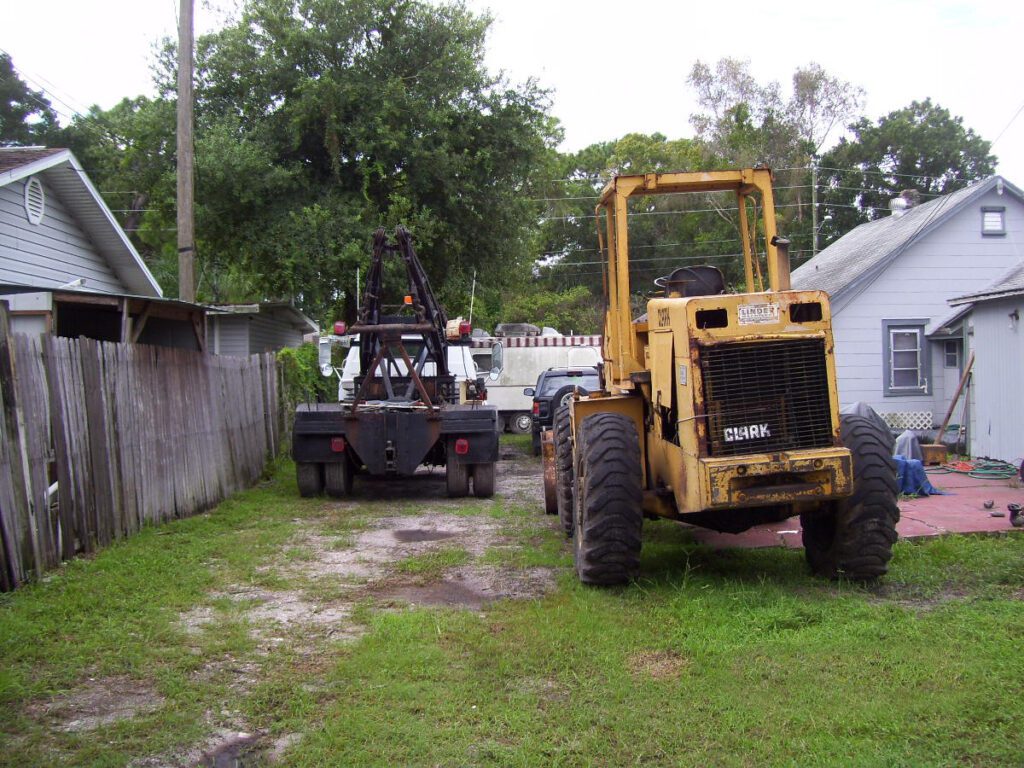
column 301, row 379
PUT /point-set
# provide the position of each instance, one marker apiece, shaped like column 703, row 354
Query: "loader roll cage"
column 622, row 350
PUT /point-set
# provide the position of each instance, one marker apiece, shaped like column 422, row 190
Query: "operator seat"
column 704, row 280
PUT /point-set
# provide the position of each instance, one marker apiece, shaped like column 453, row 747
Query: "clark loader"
column 717, row 409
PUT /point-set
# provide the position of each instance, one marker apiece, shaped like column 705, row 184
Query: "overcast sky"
column 615, row 66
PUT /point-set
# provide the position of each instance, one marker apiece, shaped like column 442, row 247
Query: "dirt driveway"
column 392, row 546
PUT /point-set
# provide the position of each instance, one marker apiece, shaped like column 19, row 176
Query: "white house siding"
column 51, row 253
column 997, row 383
column 952, row 260
column 231, row 335
column 268, row 335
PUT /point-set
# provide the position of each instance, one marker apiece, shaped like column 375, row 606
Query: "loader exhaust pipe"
column 782, row 262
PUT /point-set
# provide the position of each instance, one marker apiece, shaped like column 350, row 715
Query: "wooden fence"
column 128, row 434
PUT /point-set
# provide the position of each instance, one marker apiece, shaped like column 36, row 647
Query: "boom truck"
column 719, row 410
column 407, row 408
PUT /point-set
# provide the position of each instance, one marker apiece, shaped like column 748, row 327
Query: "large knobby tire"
column 457, row 478
column 563, row 468
column 483, row 480
column 608, row 500
column 310, row 478
column 520, row 423
column 338, row 478
column 853, row 538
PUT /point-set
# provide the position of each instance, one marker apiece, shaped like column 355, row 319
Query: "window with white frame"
column 906, row 360
column 993, row 220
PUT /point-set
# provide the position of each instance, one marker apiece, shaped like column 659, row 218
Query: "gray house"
column 993, row 319
column 899, row 347
column 67, row 267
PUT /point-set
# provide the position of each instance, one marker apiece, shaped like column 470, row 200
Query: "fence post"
column 19, row 490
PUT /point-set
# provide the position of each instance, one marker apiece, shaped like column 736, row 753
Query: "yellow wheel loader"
column 717, row 409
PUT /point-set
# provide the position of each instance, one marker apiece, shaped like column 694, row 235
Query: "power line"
column 1007, row 127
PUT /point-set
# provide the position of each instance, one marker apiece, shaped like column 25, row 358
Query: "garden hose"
column 982, row 470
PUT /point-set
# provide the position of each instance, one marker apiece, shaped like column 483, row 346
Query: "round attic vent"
column 35, row 201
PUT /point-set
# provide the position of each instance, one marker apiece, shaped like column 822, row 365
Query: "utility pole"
column 814, row 207
column 186, row 188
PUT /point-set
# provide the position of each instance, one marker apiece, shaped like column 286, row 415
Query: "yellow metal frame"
column 621, row 348
column 652, row 368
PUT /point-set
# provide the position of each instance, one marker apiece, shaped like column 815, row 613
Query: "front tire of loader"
column 310, row 478
column 853, row 538
column 608, row 501
column 456, row 478
column 563, row 468
column 483, row 480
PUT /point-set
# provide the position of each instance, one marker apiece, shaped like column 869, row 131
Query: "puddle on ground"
column 409, row 535
column 442, row 593
column 240, row 751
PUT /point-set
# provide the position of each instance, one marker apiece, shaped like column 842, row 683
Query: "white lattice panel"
column 909, row 419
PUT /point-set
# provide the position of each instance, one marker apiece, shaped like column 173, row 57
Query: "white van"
column 460, row 364
column 514, row 363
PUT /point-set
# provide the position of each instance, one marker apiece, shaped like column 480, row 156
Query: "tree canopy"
column 319, row 121
column 921, row 147
column 26, row 116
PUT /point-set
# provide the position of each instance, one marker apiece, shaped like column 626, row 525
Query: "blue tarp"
column 912, row 478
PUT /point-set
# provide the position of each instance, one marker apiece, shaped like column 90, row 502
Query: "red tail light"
column 462, row 446
column 536, row 409
column 338, row 444
column 340, row 328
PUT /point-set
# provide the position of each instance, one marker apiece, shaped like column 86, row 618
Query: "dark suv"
column 554, row 387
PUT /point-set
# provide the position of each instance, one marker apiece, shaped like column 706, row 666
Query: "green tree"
column 747, row 123
column 26, row 116
column 921, row 147
column 318, row 121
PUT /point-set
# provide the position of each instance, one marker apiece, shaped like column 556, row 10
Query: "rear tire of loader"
column 310, row 479
column 338, row 478
column 563, row 468
column 456, row 478
column 608, row 501
column 483, row 480
column 853, row 537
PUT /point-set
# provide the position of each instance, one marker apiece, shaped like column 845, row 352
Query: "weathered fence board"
column 132, row 435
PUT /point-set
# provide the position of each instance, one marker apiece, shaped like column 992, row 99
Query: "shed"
column 246, row 329
column 898, row 345
column 993, row 317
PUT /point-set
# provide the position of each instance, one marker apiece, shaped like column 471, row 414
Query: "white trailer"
column 513, row 363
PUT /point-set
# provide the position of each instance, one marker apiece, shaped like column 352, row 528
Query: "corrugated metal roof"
column 861, row 254
column 285, row 310
column 1010, row 283
column 66, row 178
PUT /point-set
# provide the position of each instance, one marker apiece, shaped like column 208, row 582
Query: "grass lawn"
column 151, row 651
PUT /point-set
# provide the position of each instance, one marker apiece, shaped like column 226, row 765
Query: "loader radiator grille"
column 766, row 397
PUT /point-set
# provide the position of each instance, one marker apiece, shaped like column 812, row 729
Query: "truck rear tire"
column 608, row 504
column 483, row 480
column 457, row 478
column 520, row 423
column 853, row 538
column 338, row 478
column 310, row 478
column 563, row 468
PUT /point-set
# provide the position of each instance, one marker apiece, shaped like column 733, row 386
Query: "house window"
column 951, row 354
column 906, row 361
column 993, row 220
